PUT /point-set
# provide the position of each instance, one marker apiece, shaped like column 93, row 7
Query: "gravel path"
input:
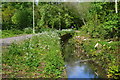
column 8, row 41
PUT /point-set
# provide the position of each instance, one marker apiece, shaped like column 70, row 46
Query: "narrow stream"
column 77, row 67
column 80, row 70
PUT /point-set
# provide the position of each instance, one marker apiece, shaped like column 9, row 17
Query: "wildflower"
column 98, row 45
column 110, row 42
column 109, row 75
column 85, row 39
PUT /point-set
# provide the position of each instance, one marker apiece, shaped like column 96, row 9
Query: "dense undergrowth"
column 37, row 57
column 103, row 51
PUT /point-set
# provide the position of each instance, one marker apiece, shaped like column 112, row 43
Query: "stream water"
column 78, row 68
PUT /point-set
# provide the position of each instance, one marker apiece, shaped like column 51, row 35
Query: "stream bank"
column 77, row 64
column 104, row 53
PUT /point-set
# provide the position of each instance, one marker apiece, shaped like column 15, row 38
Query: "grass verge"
column 37, row 57
column 15, row 32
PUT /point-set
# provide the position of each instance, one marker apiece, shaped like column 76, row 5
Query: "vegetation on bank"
column 104, row 52
column 99, row 37
column 37, row 57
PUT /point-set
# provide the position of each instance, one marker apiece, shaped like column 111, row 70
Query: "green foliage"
column 22, row 18
column 53, row 16
column 66, row 31
column 38, row 55
column 45, row 29
column 21, row 12
column 95, row 31
column 102, row 21
column 7, row 13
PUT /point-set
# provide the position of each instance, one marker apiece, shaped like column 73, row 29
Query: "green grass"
column 37, row 57
column 15, row 32
column 11, row 33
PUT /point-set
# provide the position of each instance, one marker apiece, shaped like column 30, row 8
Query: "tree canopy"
column 16, row 15
column 99, row 19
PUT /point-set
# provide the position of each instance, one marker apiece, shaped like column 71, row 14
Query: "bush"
column 22, row 18
column 28, row 30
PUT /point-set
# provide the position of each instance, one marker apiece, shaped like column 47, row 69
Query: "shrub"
column 28, row 30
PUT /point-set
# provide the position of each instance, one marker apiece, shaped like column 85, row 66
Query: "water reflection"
column 77, row 69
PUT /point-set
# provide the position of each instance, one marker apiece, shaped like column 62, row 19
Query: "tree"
column 79, row 10
column 7, row 13
column 103, row 20
column 22, row 19
column 11, row 9
column 52, row 15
